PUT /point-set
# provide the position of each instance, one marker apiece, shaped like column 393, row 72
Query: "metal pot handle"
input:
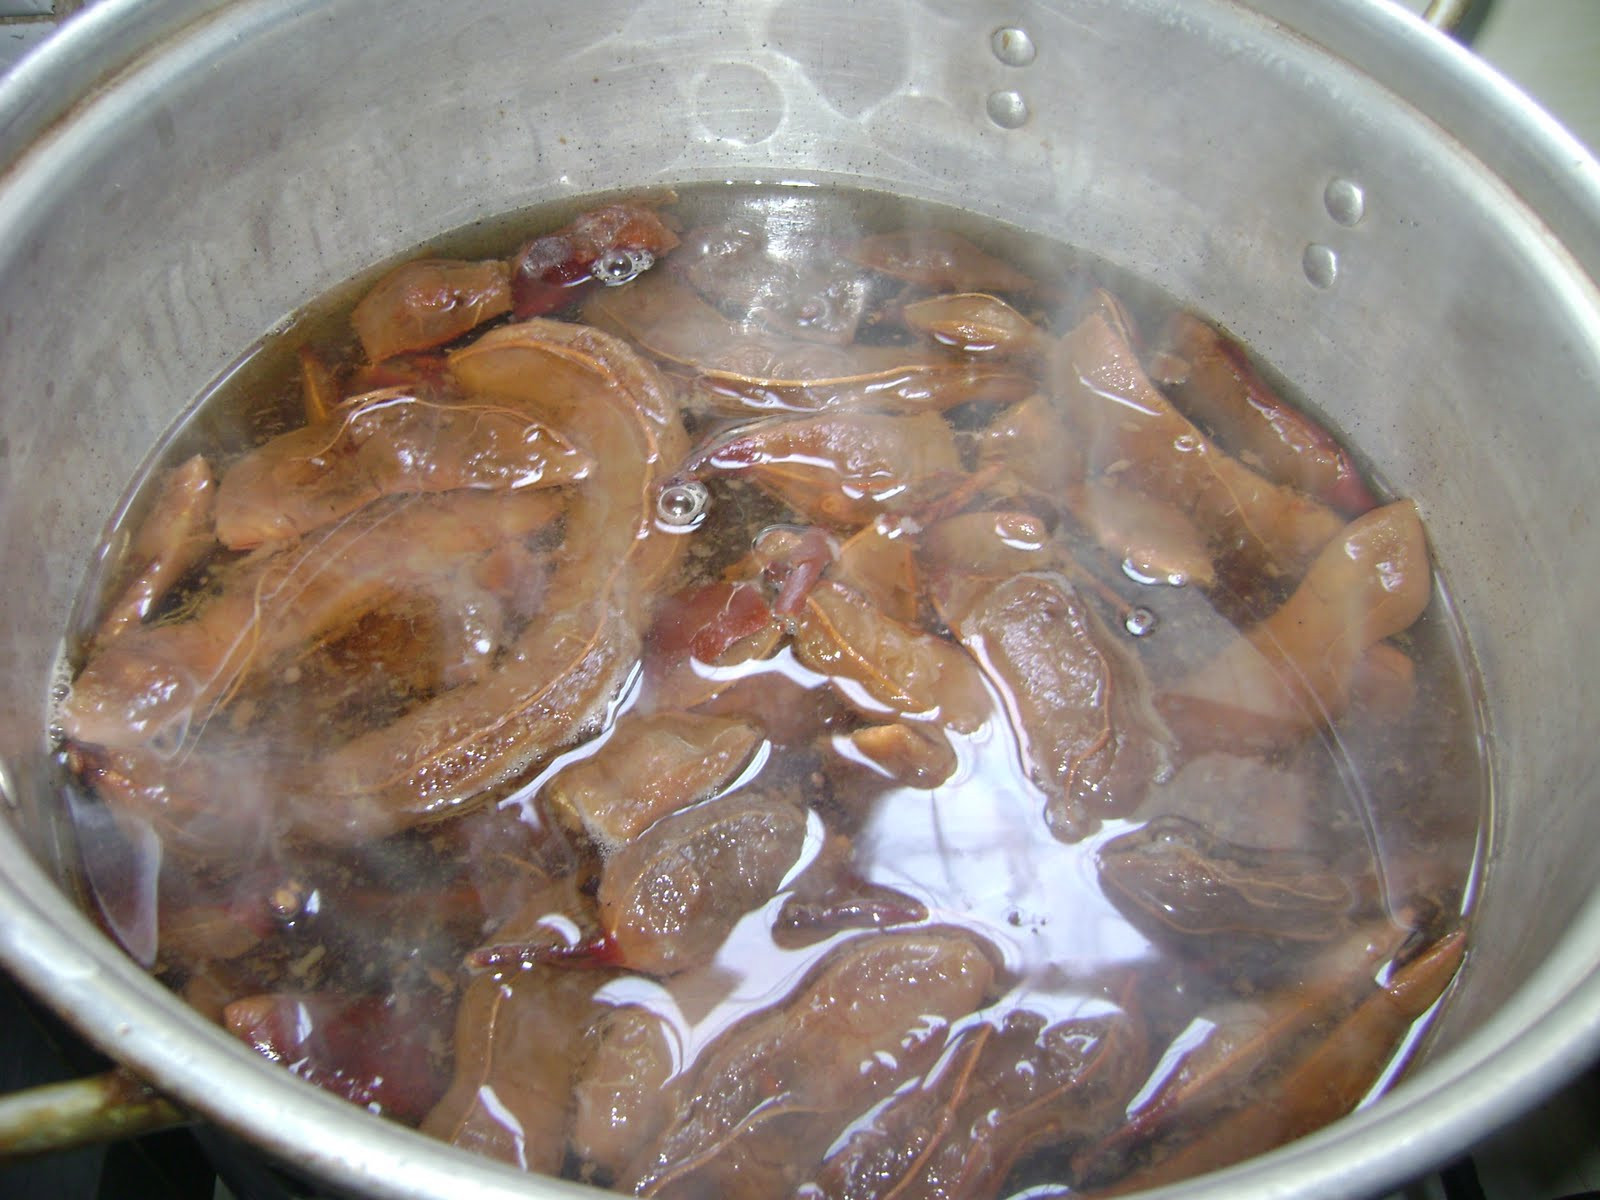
column 82, row 1112
column 1446, row 15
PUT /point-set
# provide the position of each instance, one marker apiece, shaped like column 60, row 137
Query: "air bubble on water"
column 814, row 311
column 1132, row 571
column 682, row 505
column 619, row 266
column 1171, row 579
column 1139, row 621
column 288, row 900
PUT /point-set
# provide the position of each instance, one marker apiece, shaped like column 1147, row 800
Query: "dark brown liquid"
column 1393, row 804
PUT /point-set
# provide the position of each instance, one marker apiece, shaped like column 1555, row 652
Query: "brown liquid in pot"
column 750, row 700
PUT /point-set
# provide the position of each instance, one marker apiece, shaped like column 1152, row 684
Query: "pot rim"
column 1546, row 1033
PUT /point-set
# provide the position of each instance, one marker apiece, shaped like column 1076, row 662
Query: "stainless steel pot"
column 1396, row 229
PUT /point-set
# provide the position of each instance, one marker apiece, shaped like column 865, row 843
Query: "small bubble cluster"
column 1013, row 46
column 1345, row 202
column 621, row 265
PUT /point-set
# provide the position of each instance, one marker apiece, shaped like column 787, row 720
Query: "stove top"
column 1550, row 48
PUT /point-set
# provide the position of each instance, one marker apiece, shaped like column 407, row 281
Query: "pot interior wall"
column 276, row 149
